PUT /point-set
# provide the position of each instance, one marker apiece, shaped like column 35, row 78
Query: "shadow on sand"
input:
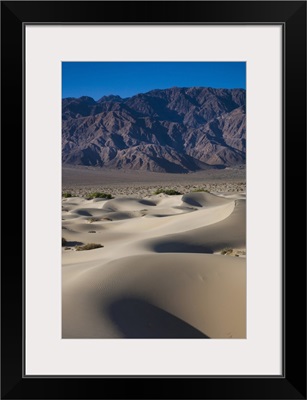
column 73, row 244
column 139, row 319
column 177, row 246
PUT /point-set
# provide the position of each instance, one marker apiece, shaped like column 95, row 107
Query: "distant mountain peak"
column 87, row 99
column 110, row 97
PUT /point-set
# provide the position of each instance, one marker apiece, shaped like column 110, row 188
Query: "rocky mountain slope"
column 170, row 130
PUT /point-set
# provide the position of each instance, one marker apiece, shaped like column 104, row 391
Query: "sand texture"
column 170, row 266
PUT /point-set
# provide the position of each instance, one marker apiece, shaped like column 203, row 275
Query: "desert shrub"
column 66, row 195
column 64, row 241
column 200, row 190
column 226, row 252
column 98, row 195
column 89, row 246
column 93, row 219
column 170, row 192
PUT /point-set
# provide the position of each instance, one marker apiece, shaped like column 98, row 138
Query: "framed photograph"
column 159, row 144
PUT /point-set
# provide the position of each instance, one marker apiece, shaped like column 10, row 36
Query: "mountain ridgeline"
column 175, row 130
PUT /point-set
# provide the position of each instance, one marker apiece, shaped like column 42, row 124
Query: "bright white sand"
column 160, row 273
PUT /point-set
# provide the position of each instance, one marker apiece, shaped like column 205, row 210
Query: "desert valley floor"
column 169, row 266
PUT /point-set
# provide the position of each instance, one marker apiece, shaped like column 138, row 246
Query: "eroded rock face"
column 171, row 130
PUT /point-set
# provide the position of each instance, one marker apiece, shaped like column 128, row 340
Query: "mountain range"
column 175, row 130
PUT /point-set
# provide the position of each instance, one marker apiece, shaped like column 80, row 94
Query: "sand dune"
column 160, row 273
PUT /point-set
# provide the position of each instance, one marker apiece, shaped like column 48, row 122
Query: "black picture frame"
column 292, row 16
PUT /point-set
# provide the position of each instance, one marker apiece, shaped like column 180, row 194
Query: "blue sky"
column 97, row 79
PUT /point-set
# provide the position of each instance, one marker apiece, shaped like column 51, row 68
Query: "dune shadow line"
column 138, row 319
column 177, row 246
